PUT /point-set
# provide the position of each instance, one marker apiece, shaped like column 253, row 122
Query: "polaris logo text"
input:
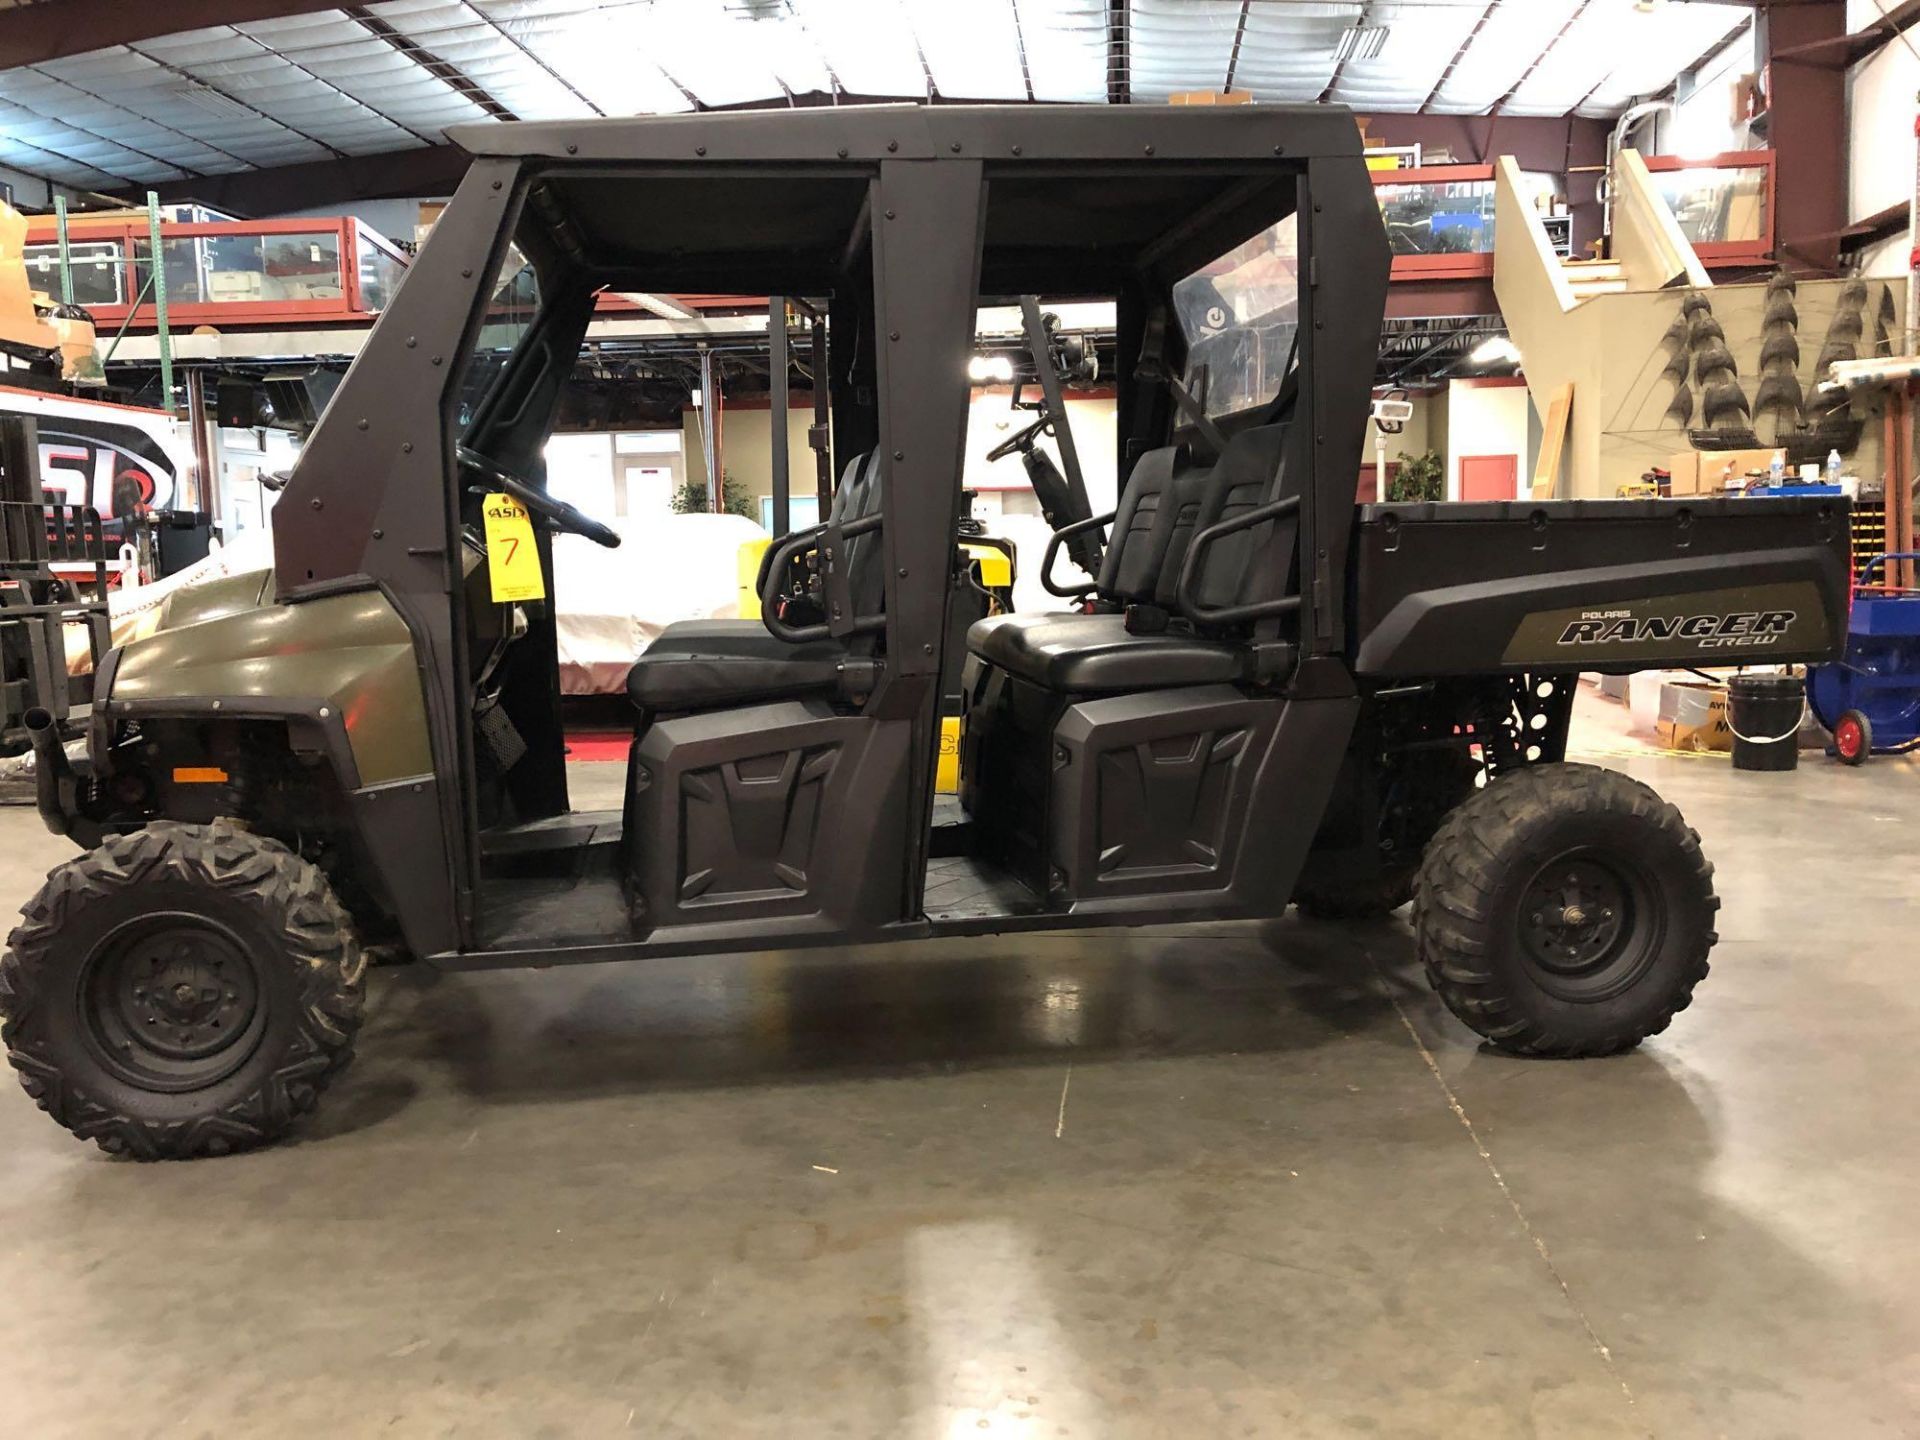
column 1740, row 629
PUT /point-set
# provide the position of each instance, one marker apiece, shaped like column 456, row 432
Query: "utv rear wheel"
column 184, row 990
column 1565, row 910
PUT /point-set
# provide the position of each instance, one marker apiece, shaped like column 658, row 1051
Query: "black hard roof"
column 1012, row 133
column 1080, row 197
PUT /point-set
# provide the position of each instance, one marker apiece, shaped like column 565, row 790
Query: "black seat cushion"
column 1094, row 654
column 736, row 637
column 694, row 681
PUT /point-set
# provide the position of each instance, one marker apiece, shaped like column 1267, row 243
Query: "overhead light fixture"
column 988, row 369
column 1495, row 350
column 205, row 97
column 1360, row 42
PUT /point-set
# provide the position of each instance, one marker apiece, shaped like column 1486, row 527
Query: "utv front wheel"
column 184, row 990
column 1565, row 910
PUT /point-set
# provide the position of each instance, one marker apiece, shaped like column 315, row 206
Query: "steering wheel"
column 1021, row 439
column 557, row 512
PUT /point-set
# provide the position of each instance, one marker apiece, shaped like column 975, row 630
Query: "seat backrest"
column 1234, row 569
column 1160, row 508
column 858, row 497
column 1130, row 564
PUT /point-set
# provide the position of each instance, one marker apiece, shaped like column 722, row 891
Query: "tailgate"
column 1617, row 585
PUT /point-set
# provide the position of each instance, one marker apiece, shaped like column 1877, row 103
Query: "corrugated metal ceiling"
column 392, row 75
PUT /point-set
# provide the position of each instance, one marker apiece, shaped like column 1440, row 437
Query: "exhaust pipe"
column 56, row 787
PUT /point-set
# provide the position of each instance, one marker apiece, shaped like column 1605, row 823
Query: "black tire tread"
column 1454, row 900
column 292, row 896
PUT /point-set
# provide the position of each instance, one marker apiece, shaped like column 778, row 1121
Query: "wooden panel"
column 1553, row 441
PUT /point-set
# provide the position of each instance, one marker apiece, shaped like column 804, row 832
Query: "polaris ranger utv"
column 1265, row 693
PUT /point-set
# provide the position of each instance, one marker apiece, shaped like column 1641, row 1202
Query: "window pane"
column 302, row 267
column 1716, row 203
column 380, row 276
column 236, row 268
column 1450, row 218
column 96, row 271
column 510, row 310
column 181, row 267
column 1240, row 315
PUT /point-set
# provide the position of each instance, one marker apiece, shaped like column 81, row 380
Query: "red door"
column 1489, row 477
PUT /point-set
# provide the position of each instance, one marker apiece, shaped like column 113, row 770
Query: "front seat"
column 1099, row 654
column 705, row 664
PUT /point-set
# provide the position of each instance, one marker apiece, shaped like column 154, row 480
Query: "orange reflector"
column 199, row 775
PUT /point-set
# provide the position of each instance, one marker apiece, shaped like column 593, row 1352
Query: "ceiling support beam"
column 1233, row 57
column 1545, row 50
column 1458, row 55
column 428, row 171
column 1807, row 126
column 187, row 77
column 445, row 71
column 1020, row 43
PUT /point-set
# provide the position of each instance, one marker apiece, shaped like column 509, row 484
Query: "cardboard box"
column 1685, row 469
column 1707, row 472
column 1693, row 716
column 1210, row 97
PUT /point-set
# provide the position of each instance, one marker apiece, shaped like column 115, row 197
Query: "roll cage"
column 907, row 218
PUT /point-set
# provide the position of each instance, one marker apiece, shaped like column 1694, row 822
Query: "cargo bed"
column 1608, row 585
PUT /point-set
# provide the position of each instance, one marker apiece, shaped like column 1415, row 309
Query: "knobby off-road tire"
column 1565, row 910
column 184, row 990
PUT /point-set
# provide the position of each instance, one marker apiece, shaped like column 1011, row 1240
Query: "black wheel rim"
column 1590, row 925
column 171, row 1002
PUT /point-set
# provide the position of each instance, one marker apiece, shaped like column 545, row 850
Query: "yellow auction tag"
column 513, row 560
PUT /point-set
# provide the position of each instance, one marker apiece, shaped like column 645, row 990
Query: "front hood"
column 216, row 599
column 351, row 653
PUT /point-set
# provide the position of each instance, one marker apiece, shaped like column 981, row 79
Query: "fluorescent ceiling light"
column 1495, row 350
column 205, row 97
column 984, row 369
column 1361, row 42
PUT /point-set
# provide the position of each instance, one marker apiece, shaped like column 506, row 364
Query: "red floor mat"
column 597, row 744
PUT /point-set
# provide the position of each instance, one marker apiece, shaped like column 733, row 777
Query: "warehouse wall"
column 1880, row 153
column 1880, row 109
column 747, row 449
column 1486, row 417
column 1702, row 123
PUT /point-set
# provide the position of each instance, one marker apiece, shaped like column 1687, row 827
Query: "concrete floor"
column 1234, row 1180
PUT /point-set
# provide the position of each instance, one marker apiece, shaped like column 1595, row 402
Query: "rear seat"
column 1165, row 503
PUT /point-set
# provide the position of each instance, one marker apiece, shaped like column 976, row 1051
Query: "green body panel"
column 352, row 652
column 214, row 599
